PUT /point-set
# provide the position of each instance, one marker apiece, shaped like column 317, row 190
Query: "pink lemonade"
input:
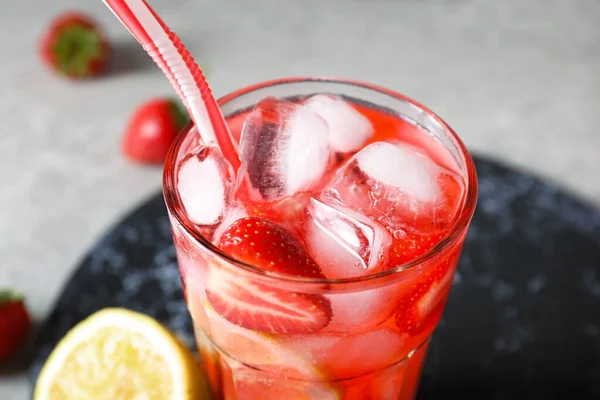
column 319, row 269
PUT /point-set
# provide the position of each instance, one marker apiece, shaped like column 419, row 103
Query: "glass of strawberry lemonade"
column 320, row 268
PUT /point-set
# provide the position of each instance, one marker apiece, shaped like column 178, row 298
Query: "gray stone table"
column 519, row 80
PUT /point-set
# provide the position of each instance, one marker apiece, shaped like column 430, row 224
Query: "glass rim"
column 177, row 211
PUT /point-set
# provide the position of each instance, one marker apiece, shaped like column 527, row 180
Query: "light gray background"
column 518, row 80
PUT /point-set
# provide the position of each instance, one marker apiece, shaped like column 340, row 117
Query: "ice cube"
column 397, row 187
column 343, row 242
column 362, row 309
column 398, row 168
column 284, row 149
column 345, row 356
column 365, row 352
column 204, row 183
column 348, row 128
column 314, row 345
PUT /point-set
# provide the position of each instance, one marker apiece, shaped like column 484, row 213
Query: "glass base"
column 232, row 380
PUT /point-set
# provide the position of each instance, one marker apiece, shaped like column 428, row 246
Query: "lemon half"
column 119, row 354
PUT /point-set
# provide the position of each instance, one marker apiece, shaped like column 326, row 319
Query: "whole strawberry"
column 74, row 46
column 15, row 323
column 151, row 130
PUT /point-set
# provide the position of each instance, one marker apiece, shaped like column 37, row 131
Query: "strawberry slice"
column 413, row 245
column 421, row 307
column 262, row 307
column 267, row 245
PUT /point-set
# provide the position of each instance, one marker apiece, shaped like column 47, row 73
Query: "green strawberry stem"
column 76, row 48
column 10, row 296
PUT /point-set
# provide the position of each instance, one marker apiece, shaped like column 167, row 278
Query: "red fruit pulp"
column 375, row 342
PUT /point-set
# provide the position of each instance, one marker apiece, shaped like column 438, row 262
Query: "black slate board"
column 522, row 322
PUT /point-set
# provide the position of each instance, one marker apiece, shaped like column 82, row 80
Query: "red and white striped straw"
column 175, row 60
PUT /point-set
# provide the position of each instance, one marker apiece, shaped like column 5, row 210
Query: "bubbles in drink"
column 348, row 129
column 284, row 150
column 399, row 188
column 204, row 183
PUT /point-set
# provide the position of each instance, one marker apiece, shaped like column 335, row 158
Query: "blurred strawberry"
column 152, row 129
column 15, row 323
column 74, row 46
